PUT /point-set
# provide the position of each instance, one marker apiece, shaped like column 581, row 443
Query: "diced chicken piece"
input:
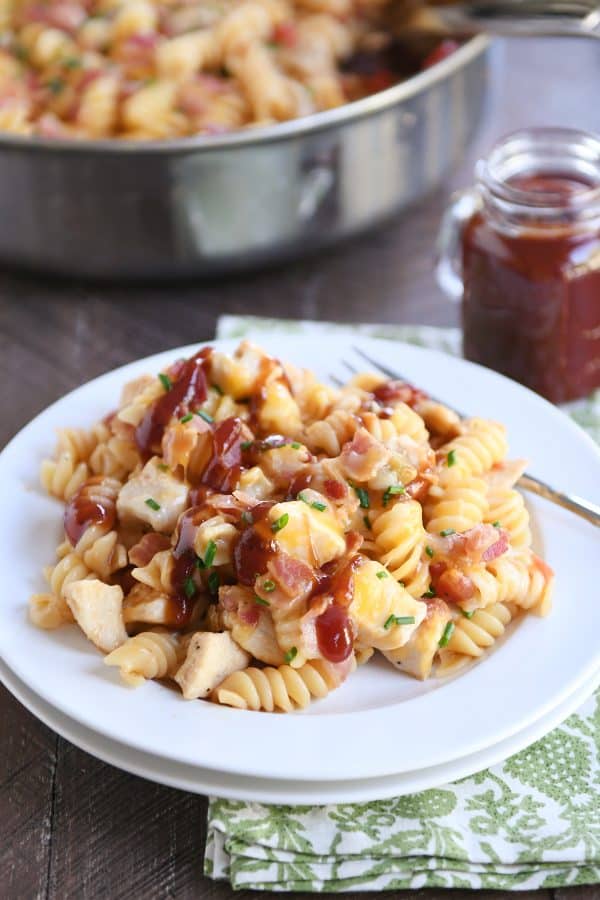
column 210, row 659
column 259, row 639
column 384, row 613
column 255, row 483
column 144, row 604
column 238, row 375
column 311, row 535
column 219, row 532
column 152, row 496
column 416, row 657
column 97, row 608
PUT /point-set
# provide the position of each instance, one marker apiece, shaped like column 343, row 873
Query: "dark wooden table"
column 70, row 826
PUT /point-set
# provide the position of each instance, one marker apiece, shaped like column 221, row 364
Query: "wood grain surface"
column 71, row 827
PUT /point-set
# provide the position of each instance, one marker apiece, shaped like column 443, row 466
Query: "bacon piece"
column 454, row 585
column 363, row 456
column 398, row 392
column 335, row 490
column 285, row 34
column 482, row 543
column 146, row 548
column 240, row 600
column 293, row 576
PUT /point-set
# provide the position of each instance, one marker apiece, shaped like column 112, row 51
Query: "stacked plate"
column 381, row 734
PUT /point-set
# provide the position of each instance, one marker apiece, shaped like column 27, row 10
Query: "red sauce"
column 255, row 547
column 223, row 470
column 299, row 482
column 334, row 633
column 87, row 507
column 184, row 564
column 531, row 305
column 188, row 391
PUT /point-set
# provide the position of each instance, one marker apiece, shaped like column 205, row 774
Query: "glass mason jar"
column 522, row 250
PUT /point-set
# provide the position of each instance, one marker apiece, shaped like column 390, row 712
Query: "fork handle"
column 583, row 508
column 522, row 18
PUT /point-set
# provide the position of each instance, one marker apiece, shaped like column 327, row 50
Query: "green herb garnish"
column 245, row 445
column 209, row 556
column 367, row 522
column 295, row 445
column 204, row 415
column 320, row 506
column 429, row 594
column 268, row 586
column 398, row 620
column 448, row 630
column 189, row 587
column 55, row 85
column 496, row 524
column 447, row 532
column 291, row 654
column 363, row 496
column 213, row 582
column 247, row 517
column 468, row 615
column 429, row 551
column 187, row 418
column 218, row 390
column 391, row 491
column 260, row 600
column 451, row 459
column 382, row 573
column 163, row 467
column 152, row 504
column 72, row 63
column 165, row 381
column 280, row 523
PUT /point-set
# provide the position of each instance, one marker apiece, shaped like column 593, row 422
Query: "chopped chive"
column 391, row 491
column 213, row 582
column 295, row 445
column 152, row 504
column 55, row 85
column 496, row 524
column 209, row 556
column 163, row 467
column 216, row 388
column 451, row 459
column 367, row 522
column 72, row 63
column 247, row 517
column 204, row 415
column 429, row 551
column 187, row 418
column 430, row 593
column 398, row 620
column 302, row 497
column 291, row 654
column 446, row 635
column 363, row 496
column 447, row 532
column 200, row 562
column 268, row 586
column 245, row 445
column 320, row 506
column 280, row 523
column 260, row 600
column 382, row 573
column 189, row 587
column 165, row 381
column 468, row 615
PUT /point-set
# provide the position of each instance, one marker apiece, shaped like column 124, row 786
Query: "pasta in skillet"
column 252, row 535
column 158, row 69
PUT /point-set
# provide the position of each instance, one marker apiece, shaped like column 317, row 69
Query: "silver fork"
column 583, row 508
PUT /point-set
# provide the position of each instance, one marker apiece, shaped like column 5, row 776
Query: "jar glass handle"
column 449, row 243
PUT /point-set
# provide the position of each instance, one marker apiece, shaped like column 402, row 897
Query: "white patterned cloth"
column 530, row 822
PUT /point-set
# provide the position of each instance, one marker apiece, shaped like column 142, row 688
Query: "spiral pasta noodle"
column 251, row 534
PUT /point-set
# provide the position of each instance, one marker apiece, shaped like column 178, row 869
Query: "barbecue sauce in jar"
column 531, row 263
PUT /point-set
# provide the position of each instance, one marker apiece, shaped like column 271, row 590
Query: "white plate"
column 411, row 725
column 263, row 790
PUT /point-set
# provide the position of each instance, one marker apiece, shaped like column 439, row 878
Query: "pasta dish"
column 152, row 69
column 252, row 535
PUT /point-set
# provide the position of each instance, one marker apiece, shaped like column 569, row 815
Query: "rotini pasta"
column 157, row 69
column 252, row 535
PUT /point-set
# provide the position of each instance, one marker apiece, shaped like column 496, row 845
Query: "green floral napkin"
column 531, row 822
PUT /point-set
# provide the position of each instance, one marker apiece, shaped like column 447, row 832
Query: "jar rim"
column 563, row 152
